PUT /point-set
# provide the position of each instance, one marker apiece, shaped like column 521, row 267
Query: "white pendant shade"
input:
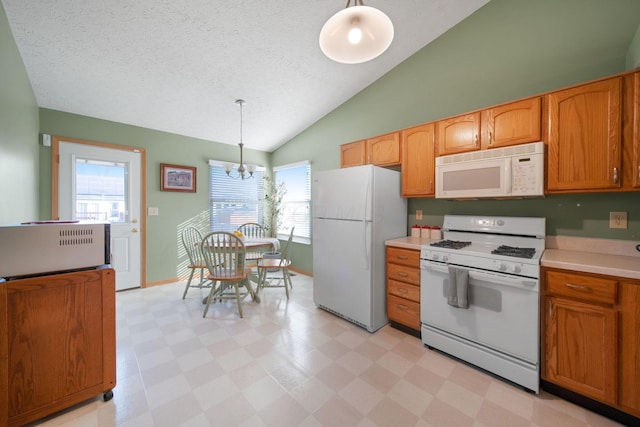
column 376, row 34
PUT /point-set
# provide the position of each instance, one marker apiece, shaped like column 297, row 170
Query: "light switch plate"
column 152, row 211
column 418, row 215
column 617, row 220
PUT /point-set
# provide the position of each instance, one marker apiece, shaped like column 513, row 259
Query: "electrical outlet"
column 418, row 215
column 152, row 211
column 617, row 220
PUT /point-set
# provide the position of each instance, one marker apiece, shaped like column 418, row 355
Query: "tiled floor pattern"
column 288, row 363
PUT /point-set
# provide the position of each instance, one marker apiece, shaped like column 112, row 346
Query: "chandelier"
column 241, row 171
column 356, row 34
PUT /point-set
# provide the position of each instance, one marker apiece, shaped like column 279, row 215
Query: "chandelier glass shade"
column 242, row 170
column 356, row 34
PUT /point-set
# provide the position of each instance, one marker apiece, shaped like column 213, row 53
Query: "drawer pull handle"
column 402, row 274
column 403, row 257
column 402, row 290
column 579, row 287
column 403, row 307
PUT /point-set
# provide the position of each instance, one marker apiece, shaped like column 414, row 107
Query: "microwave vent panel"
column 497, row 153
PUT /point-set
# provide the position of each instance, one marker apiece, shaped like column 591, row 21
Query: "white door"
column 99, row 183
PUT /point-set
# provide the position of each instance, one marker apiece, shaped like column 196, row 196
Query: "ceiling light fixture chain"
column 241, row 168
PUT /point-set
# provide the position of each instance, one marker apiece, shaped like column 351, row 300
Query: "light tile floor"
column 288, row 363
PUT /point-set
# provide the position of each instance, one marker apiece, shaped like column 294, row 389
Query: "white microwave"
column 514, row 171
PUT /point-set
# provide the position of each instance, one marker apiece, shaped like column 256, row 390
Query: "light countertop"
column 409, row 242
column 600, row 256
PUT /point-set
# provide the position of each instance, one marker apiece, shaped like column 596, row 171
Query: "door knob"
column 134, row 230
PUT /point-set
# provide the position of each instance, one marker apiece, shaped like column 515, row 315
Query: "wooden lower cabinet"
column 590, row 337
column 403, row 288
column 57, row 343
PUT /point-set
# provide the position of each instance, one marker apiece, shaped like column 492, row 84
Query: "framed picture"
column 177, row 178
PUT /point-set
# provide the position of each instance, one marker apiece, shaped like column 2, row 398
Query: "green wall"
column 18, row 134
column 633, row 56
column 176, row 209
column 507, row 50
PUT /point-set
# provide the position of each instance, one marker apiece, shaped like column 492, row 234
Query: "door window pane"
column 100, row 191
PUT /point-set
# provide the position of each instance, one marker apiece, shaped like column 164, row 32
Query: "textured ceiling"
column 179, row 65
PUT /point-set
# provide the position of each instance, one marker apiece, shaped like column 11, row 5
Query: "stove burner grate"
column 451, row 244
column 514, row 251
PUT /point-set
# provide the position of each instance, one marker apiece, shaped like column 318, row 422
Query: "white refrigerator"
column 354, row 211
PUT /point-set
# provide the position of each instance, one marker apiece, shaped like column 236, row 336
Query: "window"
column 233, row 202
column 296, row 203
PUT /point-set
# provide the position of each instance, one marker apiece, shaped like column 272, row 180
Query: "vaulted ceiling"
column 179, row 66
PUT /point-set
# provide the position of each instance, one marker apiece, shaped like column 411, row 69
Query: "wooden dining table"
column 255, row 247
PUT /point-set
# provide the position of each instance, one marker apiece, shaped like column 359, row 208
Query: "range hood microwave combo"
column 514, row 171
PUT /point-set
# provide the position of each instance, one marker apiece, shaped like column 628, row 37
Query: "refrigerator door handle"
column 365, row 241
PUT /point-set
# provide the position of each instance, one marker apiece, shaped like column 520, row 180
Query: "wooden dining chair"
column 252, row 230
column 191, row 239
column 273, row 272
column 224, row 254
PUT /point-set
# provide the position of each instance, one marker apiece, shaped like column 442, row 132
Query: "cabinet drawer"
column 403, row 273
column 403, row 256
column 403, row 290
column 403, row 311
column 582, row 287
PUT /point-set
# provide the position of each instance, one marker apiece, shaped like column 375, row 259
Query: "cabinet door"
column 581, row 348
column 384, row 150
column 458, row 134
column 630, row 347
column 352, row 154
column 584, row 137
column 511, row 124
column 418, row 161
column 60, row 337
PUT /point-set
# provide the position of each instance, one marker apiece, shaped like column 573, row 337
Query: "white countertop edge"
column 409, row 242
column 590, row 262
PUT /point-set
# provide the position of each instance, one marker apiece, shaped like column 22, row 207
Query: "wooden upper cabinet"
column 584, row 137
column 353, row 154
column 418, row 161
column 510, row 124
column 458, row 134
column 384, row 150
column 634, row 142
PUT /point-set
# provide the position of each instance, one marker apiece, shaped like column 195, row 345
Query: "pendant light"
column 356, row 34
column 228, row 167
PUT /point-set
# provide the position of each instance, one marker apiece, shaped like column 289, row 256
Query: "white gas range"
column 492, row 266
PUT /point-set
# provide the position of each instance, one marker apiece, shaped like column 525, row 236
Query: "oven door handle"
column 502, row 279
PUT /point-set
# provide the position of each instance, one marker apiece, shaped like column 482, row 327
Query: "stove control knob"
column 436, row 257
column 445, row 258
column 503, row 267
column 516, row 269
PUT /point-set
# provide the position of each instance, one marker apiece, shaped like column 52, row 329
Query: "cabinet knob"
column 490, row 138
column 475, row 139
column 615, row 175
